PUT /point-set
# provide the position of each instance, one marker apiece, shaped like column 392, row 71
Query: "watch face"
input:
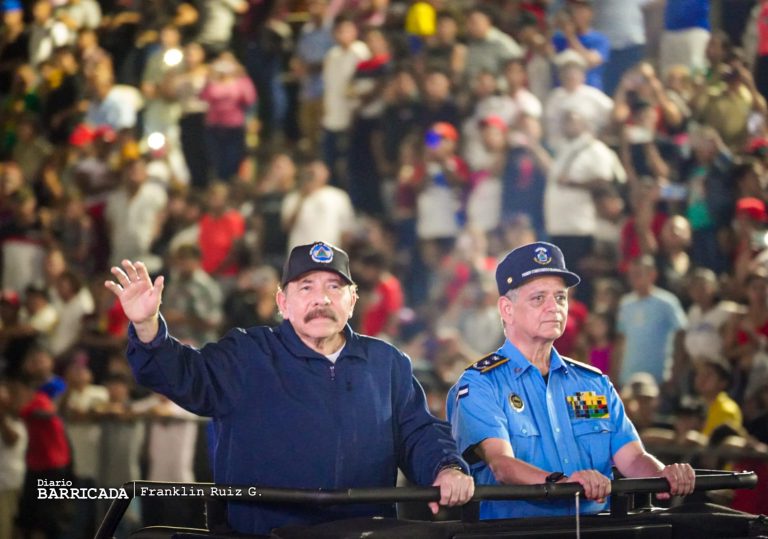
column 554, row 477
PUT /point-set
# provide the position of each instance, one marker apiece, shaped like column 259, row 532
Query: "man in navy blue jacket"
column 307, row 404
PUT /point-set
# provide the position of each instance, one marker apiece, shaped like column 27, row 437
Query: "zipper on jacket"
column 333, row 371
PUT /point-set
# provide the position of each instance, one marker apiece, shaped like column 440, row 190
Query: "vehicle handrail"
column 705, row 480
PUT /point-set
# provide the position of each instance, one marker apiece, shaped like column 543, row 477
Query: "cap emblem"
column 542, row 256
column 321, row 253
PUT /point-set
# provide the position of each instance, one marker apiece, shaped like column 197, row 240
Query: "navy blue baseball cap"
column 532, row 260
column 318, row 256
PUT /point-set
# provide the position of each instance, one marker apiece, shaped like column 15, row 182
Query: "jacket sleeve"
column 205, row 381
column 424, row 442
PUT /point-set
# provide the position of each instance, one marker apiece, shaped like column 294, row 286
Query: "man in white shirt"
column 574, row 95
column 487, row 46
column 317, row 211
column 140, row 202
column 582, row 165
column 339, row 67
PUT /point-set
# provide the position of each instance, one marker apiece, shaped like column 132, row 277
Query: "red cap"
column 105, row 133
column 757, row 146
column 752, row 207
column 494, row 121
column 445, row 130
column 10, row 297
column 81, row 135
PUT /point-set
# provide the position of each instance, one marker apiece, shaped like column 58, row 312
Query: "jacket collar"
column 353, row 347
column 520, row 364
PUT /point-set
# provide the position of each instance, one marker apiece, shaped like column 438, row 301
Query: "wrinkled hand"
column 138, row 296
column 681, row 478
column 456, row 488
column 596, row 485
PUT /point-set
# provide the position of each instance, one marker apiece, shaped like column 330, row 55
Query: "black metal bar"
column 115, row 513
column 711, row 480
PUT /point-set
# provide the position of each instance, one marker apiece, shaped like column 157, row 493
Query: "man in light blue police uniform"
column 527, row 415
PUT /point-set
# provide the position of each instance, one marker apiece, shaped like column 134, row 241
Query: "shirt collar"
column 520, row 364
column 287, row 334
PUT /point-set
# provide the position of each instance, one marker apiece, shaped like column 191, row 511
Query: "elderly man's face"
column 318, row 304
column 537, row 311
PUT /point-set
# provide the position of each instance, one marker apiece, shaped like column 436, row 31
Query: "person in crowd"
column 122, row 439
column 339, row 65
column 141, row 201
column 230, row 94
column 649, row 326
column 364, row 153
column 193, row 299
column 685, row 35
column 48, row 458
column 381, row 295
column 185, row 84
column 623, row 23
column 641, row 396
column 488, row 48
column 574, row 94
column 314, row 41
column 575, row 33
column 251, row 301
column 439, row 102
column 582, row 166
column 45, row 33
column 712, row 379
column 73, row 302
column 316, row 209
column 746, row 333
column 444, row 51
column 316, row 298
column 78, row 406
column 13, row 447
column 708, row 317
column 527, row 415
column 172, row 433
column 220, row 231
column 278, row 180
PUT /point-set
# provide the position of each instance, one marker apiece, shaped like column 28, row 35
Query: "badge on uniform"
column 463, row 391
column 588, row 405
column 516, row 402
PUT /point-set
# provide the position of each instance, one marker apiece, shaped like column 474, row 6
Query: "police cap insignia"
column 542, row 256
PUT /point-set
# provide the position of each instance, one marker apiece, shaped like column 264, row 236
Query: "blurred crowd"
column 428, row 138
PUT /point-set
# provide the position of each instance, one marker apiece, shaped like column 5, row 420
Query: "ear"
column 355, row 297
column 281, row 303
column 506, row 309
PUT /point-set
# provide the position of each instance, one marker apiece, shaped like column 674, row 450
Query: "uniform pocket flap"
column 591, row 426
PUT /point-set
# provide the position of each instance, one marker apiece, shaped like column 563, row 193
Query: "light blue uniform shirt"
column 574, row 422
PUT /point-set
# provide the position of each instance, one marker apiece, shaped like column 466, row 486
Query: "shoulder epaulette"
column 581, row 365
column 491, row 361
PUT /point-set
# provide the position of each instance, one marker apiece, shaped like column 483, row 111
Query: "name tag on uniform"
column 588, row 405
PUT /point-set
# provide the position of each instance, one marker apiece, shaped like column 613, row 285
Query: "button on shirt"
column 574, row 422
